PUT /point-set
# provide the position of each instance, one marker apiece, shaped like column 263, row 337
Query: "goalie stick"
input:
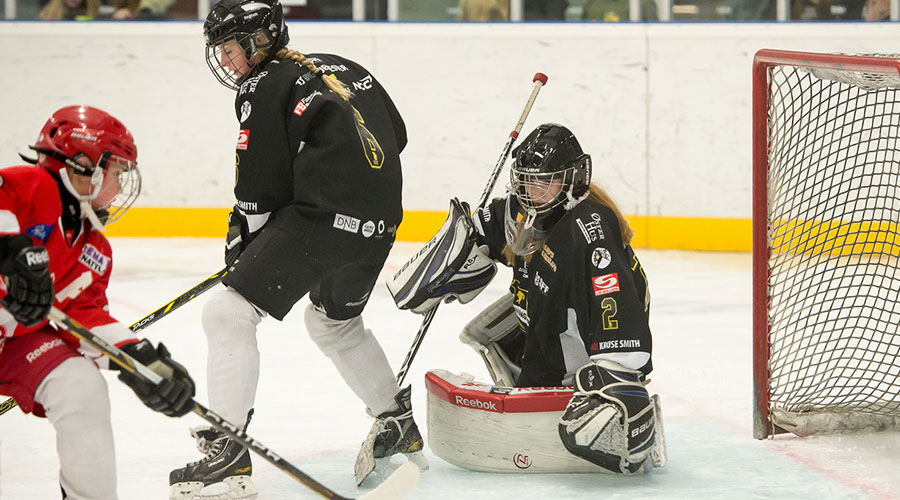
column 155, row 316
column 394, row 487
column 539, row 81
column 365, row 461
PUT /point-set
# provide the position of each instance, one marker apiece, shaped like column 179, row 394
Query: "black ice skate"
column 223, row 474
column 392, row 433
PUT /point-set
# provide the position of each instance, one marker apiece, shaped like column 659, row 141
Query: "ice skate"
column 222, row 474
column 393, row 433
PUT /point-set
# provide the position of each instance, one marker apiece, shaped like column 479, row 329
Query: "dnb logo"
column 521, row 461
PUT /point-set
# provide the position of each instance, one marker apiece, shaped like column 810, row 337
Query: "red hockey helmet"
column 85, row 138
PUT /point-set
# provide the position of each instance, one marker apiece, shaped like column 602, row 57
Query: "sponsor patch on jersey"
column 590, row 229
column 601, row 258
column 249, row 85
column 368, row 229
column 305, row 102
column 364, row 84
column 547, row 255
column 607, row 283
column 540, row 284
column 243, row 139
column 346, row 223
column 245, row 111
column 93, row 259
column 40, row 232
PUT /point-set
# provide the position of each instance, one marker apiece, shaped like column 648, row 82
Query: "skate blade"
column 231, row 488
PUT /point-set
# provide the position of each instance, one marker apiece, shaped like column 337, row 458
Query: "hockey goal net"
column 826, row 245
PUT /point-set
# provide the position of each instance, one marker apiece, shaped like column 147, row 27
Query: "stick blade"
column 397, row 485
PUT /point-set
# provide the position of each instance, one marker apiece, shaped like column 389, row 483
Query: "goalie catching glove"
column 610, row 419
column 173, row 396
column 450, row 266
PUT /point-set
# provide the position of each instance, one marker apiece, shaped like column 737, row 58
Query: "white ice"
column 700, row 319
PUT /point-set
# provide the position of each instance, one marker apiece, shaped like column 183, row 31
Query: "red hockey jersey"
column 80, row 264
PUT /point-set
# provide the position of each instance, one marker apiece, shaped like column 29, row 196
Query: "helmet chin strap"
column 572, row 201
column 85, row 200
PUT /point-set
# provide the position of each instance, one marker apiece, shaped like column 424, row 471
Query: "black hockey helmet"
column 257, row 26
column 550, row 175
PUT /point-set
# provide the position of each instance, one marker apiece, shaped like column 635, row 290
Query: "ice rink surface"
column 700, row 318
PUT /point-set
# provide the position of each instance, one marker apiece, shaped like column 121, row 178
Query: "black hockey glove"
column 29, row 288
column 173, row 396
column 238, row 236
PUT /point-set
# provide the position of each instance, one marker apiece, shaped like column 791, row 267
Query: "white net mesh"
column 834, row 239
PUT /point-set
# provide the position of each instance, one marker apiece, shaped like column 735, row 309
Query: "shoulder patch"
column 40, row 232
column 601, row 258
column 590, row 227
column 607, row 283
column 94, row 260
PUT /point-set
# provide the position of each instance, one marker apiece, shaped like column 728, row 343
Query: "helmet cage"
column 129, row 181
column 541, row 191
column 255, row 25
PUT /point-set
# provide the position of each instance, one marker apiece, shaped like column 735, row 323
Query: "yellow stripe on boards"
column 684, row 233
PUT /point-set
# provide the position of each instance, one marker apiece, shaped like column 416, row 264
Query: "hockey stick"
column 155, row 316
column 396, row 486
column 539, row 81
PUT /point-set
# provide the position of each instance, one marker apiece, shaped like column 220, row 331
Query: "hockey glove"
column 173, row 396
column 29, row 287
column 610, row 420
column 450, row 266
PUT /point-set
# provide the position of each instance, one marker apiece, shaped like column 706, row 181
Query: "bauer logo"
column 243, row 139
column 476, row 403
column 608, row 283
column 346, row 223
column 93, row 259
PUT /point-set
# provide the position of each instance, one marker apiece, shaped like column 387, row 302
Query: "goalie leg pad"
column 495, row 335
column 610, row 420
column 450, row 266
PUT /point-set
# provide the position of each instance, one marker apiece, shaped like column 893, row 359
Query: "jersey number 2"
column 609, row 313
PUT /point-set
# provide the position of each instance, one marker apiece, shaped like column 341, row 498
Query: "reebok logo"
column 46, row 346
column 474, row 403
column 39, row 258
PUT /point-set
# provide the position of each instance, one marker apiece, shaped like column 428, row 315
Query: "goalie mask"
column 550, row 176
column 89, row 142
column 240, row 36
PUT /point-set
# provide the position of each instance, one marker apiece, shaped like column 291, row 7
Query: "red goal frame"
column 763, row 61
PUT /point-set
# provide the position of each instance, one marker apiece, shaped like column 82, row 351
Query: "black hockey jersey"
column 582, row 296
column 336, row 163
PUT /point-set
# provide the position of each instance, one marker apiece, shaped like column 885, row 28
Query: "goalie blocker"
column 450, row 266
column 488, row 428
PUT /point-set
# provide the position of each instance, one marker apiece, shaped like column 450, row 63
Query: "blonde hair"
column 598, row 195
column 331, row 81
column 56, row 10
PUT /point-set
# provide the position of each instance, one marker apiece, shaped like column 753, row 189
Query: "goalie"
column 575, row 321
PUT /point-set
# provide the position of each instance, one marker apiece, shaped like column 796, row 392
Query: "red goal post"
column 826, row 244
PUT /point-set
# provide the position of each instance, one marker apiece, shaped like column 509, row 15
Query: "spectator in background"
column 81, row 10
column 545, row 10
column 826, row 10
column 618, row 10
column 484, row 10
column 878, row 10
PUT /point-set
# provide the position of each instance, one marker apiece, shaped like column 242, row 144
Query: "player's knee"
column 333, row 335
column 76, row 384
column 228, row 311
